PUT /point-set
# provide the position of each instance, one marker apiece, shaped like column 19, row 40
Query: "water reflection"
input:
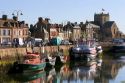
column 51, row 76
column 106, row 70
column 35, row 77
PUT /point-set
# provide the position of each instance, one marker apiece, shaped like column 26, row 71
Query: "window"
column 4, row 33
column 5, row 39
column 114, row 31
column 7, row 32
column 14, row 33
column 20, row 33
column 23, row 32
column 26, row 32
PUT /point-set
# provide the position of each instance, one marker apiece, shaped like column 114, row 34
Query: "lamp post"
column 16, row 13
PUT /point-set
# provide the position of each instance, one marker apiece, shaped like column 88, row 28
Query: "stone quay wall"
column 12, row 52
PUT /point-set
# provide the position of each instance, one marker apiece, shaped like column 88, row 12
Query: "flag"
column 103, row 9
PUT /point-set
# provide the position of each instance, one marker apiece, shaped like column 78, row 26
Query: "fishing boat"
column 117, row 50
column 32, row 61
column 98, row 47
column 51, row 59
column 64, row 58
column 120, row 48
column 85, row 50
column 82, row 51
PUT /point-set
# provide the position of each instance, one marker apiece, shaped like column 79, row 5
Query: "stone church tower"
column 109, row 29
column 101, row 18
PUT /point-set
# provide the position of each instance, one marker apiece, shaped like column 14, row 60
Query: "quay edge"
column 13, row 52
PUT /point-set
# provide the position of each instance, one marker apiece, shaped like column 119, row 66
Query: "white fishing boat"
column 52, row 60
column 98, row 47
column 88, row 49
column 83, row 50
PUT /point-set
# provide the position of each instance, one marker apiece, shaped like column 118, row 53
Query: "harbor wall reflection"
column 82, row 71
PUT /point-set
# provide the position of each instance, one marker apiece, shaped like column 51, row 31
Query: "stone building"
column 12, row 28
column 76, row 34
column 101, row 18
column 68, row 31
column 92, row 31
column 111, row 30
column 45, row 30
column 108, row 29
column 54, row 30
column 41, row 29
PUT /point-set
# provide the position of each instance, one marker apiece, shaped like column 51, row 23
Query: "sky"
column 61, row 11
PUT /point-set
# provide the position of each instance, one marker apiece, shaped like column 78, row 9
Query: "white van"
column 38, row 41
column 21, row 41
column 17, row 42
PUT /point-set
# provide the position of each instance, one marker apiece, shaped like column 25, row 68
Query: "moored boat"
column 51, row 60
column 31, row 62
column 117, row 49
column 82, row 51
column 98, row 48
column 64, row 58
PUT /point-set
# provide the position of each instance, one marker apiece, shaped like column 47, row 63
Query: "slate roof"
column 108, row 24
column 76, row 27
column 90, row 25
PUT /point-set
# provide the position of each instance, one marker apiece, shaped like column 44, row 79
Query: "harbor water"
column 105, row 70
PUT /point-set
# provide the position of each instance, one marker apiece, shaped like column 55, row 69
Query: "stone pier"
column 12, row 52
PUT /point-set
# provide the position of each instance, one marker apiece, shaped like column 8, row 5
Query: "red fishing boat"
column 32, row 61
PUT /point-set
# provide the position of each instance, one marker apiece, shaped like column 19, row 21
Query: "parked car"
column 33, row 42
column 38, row 41
column 65, row 42
column 6, row 43
column 117, row 41
column 17, row 42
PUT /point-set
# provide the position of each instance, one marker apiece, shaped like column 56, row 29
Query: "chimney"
column 15, row 18
column 81, row 23
column 47, row 20
column 40, row 19
column 22, row 22
column 68, row 22
column 4, row 17
column 75, row 23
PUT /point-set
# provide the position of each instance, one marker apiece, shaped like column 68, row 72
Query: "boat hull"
column 21, row 68
column 117, row 49
column 26, row 77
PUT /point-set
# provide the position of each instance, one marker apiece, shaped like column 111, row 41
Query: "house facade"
column 41, row 29
column 76, row 34
column 92, row 31
column 54, row 30
column 12, row 28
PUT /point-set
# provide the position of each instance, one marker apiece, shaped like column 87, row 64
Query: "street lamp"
column 16, row 13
